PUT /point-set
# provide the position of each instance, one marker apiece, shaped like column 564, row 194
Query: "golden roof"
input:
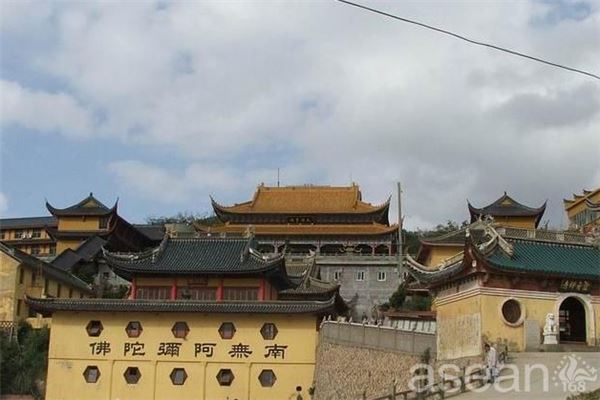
column 306, row 230
column 306, row 199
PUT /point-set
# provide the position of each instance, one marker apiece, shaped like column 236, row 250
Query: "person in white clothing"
column 491, row 362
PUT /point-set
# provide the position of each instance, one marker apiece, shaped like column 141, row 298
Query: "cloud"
column 41, row 111
column 3, row 204
column 329, row 94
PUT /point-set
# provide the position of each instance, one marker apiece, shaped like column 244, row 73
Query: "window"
column 91, row 374
column 33, row 278
column 197, row 293
column 381, row 276
column 178, row 376
column 37, row 233
column 268, row 331
column 58, row 289
column 337, row 275
column 19, row 234
column 70, row 293
column 153, row 292
column 36, row 249
column 267, row 378
column 103, row 224
column 227, row 330
column 180, row 329
column 106, row 275
column 52, row 249
column 31, row 313
column 132, row 375
column 46, row 285
column 360, row 275
column 225, row 377
column 511, row 312
column 1, row 235
column 134, row 329
column 21, row 275
column 94, row 328
column 19, row 306
column 240, row 293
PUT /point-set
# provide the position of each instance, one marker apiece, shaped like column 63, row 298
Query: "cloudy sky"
column 163, row 103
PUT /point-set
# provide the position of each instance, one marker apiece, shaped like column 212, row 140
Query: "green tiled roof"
column 197, row 256
column 556, row 259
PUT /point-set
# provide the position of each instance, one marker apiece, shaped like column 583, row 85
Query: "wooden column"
column 220, row 291
column 261, row 290
column 174, row 289
column 133, row 293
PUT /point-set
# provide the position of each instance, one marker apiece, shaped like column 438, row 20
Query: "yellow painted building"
column 24, row 275
column 583, row 211
column 206, row 318
column 505, row 212
column 503, row 285
column 29, row 235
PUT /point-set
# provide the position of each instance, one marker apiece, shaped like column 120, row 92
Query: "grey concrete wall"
column 377, row 337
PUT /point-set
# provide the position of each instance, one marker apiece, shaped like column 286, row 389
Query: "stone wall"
column 383, row 338
column 344, row 372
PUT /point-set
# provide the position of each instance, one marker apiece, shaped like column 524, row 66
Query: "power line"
column 433, row 28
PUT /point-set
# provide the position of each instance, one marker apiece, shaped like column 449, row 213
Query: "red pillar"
column 261, row 290
column 174, row 289
column 133, row 293
column 220, row 291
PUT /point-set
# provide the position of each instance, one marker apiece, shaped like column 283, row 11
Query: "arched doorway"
column 572, row 320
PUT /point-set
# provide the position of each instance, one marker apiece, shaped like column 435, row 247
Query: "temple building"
column 583, row 211
column 351, row 241
column 505, row 211
column 25, row 275
column 501, row 280
column 208, row 318
column 299, row 219
column 72, row 237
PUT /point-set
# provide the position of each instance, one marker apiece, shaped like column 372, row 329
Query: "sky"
column 161, row 104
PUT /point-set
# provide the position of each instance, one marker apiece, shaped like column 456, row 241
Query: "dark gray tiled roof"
column 231, row 307
column 67, row 260
column 197, row 256
column 506, row 206
column 153, row 232
column 88, row 206
column 46, row 268
column 91, row 247
column 27, row 222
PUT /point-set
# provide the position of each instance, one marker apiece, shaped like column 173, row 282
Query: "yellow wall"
column 78, row 223
column 11, row 291
column 62, row 245
column 516, row 222
column 69, row 358
column 459, row 328
column 465, row 321
column 8, row 283
column 439, row 254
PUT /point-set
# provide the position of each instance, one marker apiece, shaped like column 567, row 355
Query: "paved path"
column 549, row 376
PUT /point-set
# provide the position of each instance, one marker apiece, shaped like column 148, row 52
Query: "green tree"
column 185, row 217
column 398, row 297
column 23, row 362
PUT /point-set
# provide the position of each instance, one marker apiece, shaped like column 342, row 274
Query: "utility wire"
column 433, row 28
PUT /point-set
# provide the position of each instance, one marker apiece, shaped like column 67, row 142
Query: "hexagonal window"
column 134, row 329
column 268, row 331
column 227, row 330
column 225, row 377
column 178, row 376
column 267, row 378
column 94, row 328
column 180, row 329
column 132, row 375
column 91, row 374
